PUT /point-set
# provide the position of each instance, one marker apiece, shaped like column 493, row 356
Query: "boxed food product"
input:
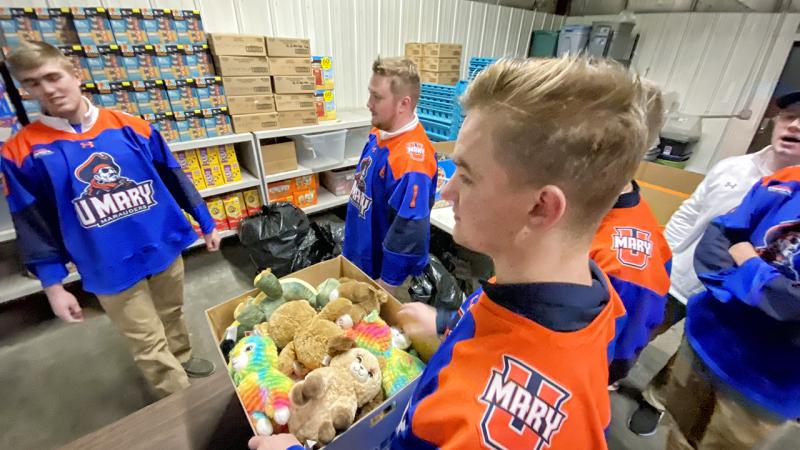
column 190, row 125
column 194, row 61
column 234, row 209
column 159, row 25
column 236, row 66
column 289, row 119
column 294, row 102
column 231, row 172
column 19, row 24
column 102, row 94
column 202, row 61
column 213, row 176
column 88, row 89
column 76, row 55
column 324, row 105
column 289, row 198
column 339, row 181
column 414, row 49
column 211, row 92
column 246, row 123
column 449, row 78
column 140, row 62
column 195, row 225
column 439, row 50
column 208, row 156
column 289, row 66
column 251, row 104
column 93, row 26
column 151, row 96
column 182, row 95
column 165, row 124
column 278, row 155
column 280, row 189
column 128, row 26
column 236, row 44
column 247, row 85
column 189, row 27
column 188, row 159
column 217, row 209
column 196, row 177
column 305, row 182
column 217, row 122
column 304, row 198
column 227, row 154
column 322, row 70
column 105, row 62
column 125, row 97
column 252, row 201
column 166, row 62
column 57, row 27
column 433, row 64
column 289, row 47
column 417, row 60
column 287, row 84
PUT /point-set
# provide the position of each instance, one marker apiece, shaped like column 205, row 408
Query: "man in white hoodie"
column 723, row 189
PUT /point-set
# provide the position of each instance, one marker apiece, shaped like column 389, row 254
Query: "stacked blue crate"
column 478, row 64
column 439, row 110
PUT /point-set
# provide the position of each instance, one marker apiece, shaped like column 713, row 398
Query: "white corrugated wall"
column 354, row 32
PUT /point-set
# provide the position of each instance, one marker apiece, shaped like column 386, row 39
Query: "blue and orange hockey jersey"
column 387, row 230
column 106, row 194
column 525, row 367
column 631, row 250
column 746, row 325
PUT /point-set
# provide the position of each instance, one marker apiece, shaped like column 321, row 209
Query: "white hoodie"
column 723, row 189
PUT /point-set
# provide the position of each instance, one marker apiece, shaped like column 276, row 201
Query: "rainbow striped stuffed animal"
column 263, row 388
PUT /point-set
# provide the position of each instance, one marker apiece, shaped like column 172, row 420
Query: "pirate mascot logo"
column 108, row 195
column 782, row 248
column 358, row 194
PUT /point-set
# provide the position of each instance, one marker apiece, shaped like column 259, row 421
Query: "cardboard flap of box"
column 665, row 188
column 444, row 147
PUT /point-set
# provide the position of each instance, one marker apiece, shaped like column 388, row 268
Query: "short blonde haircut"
column 571, row 122
column 403, row 73
column 31, row 55
column 654, row 108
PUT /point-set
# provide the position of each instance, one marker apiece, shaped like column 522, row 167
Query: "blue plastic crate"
column 440, row 131
column 436, row 115
column 433, row 102
column 437, row 90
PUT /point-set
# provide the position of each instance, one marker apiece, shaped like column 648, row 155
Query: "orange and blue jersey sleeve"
column 405, row 247
column 35, row 222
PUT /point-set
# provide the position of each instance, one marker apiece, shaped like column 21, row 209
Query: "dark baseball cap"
column 786, row 100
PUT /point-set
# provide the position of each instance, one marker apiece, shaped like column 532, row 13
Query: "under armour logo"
column 87, row 144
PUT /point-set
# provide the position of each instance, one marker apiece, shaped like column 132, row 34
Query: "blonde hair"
column 572, row 122
column 403, row 73
column 31, row 55
column 654, row 108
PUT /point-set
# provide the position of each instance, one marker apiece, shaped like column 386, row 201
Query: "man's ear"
column 548, row 207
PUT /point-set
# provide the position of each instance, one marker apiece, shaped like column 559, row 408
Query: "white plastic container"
column 356, row 140
column 320, row 151
column 573, row 39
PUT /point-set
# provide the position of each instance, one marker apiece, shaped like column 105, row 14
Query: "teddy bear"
column 309, row 348
column 365, row 297
column 327, row 400
column 264, row 390
column 286, row 321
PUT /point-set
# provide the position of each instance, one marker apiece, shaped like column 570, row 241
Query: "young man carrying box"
column 526, row 363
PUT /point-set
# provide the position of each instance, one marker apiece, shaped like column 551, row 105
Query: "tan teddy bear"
column 364, row 296
column 327, row 400
column 309, row 349
column 287, row 320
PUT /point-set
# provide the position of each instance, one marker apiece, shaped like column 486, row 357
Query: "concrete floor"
column 59, row 381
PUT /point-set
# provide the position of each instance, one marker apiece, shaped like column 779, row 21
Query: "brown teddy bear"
column 309, row 349
column 327, row 400
column 287, row 320
column 365, row 297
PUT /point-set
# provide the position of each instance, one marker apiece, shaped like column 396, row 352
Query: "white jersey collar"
column 384, row 135
column 87, row 121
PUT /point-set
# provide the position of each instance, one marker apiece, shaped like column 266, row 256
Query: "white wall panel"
column 219, row 16
column 164, row 4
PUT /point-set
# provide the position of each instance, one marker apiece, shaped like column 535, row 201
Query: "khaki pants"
column 710, row 416
column 149, row 315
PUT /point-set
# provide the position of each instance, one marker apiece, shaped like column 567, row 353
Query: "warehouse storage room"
column 406, row 224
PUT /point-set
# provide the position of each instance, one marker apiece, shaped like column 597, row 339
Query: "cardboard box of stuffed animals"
column 375, row 429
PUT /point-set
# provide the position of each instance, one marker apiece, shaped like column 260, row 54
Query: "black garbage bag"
column 273, row 236
column 437, row 287
column 323, row 242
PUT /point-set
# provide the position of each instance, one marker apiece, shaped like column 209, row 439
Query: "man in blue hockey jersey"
column 101, row 188
column 387, row 230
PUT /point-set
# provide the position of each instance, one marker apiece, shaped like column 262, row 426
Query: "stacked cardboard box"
column 242, row 63
column 210, row 166
column 292, row 81
column 301, row 191
column 441, row 63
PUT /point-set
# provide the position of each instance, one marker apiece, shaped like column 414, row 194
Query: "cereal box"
column 213, row 176
column 188, row 160
column 93, row 26
column 227, row 154
column 182, row 95
column 125, row 97
column 140, row 62
column 208, row 156
column 202, row 60
column 322, row 69
column 17, row 25
column 252, row 201
column 57, row 27
column 217, row 209
column 231, row 172
column 217, row 122
column 128, row 26
column 196, row 177
column 164, row 61
column 165, row 124
column 210, row 92
column 194, row 27
column 159, row 26
column 234, row 209
column 76, row 55
column 195, row 225
column 190, row 125
column 151, row 96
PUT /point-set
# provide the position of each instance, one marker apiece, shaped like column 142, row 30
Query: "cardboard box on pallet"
column 288, row 47
column 189, row 27
column 164, row 122
column 190, row 125
column 236, row 44
column 159, row 26
column 373, row 428
column 247, row 85
column 57, row 27
column 252, row 201
column 449, row 78
column 234, row 209
column 151, row 96
column 217, row 209
column 217, row 121
column 76, row 55
column 322, row 70
column 241, row 66
column 128, row 26
column 140, row 62
column 287, row 119
column 438, row 50
column 251, row 104
column 245, row 123
column 211, row 92
column 294, row 102
column 278, row 155
column 441, row 64
column 93, row 26
column 182, row 95
column 289, row 66
column 285, row 84
column 414, row 49
column 324, row 105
